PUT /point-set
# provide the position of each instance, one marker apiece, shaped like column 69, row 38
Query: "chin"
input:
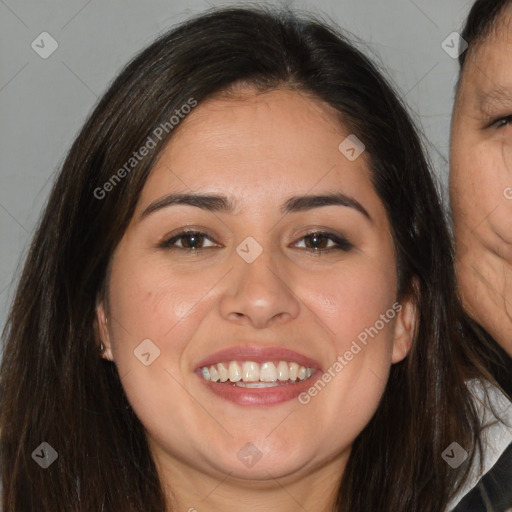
column 264, row 461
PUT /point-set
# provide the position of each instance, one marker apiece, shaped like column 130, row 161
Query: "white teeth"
column 254, row 375
column 294, row 369
column 214, row 374
column 250, row 372
column 268, row 372
column 223, row 372
column 235, row 372
column 283, row 373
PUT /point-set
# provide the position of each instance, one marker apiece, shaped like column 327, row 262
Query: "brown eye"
column 189, row 240
column 319, row 242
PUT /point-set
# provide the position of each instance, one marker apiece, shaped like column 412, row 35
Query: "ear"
column 102, row 329
column 405, row 328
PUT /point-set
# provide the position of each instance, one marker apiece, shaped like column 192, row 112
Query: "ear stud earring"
column 102, row 347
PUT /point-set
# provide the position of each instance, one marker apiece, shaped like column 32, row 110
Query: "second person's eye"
column 501, row 122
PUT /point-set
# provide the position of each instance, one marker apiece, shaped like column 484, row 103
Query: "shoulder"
column 489, row 489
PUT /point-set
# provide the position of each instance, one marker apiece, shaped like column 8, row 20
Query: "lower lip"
column 260, row 396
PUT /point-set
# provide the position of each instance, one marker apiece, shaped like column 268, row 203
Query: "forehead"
column 278, row 133
column 260, row 112
column 487, row 74
column 261, row 149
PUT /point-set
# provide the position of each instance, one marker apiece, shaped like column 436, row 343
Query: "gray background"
column 43, row 102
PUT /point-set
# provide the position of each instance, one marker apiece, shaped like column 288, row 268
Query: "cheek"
column 358, row 311
column 481, row 194
column 480, row 168
column 352, row 301
column 149, row 301
column 150, row 306
column 155, row 318
column 357, row 308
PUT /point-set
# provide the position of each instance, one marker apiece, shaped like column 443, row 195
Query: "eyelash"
column 342, row 243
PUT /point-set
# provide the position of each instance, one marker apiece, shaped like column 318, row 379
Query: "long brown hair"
column 56, row 389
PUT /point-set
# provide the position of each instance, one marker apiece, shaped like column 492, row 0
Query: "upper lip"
column 258, row 354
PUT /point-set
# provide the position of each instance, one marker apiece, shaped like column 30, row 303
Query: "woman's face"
column 252, row 289
column 481, row 182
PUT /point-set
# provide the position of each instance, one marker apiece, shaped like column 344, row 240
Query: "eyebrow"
column 223, row 204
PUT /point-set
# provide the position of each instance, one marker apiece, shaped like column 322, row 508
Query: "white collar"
column 496, row 437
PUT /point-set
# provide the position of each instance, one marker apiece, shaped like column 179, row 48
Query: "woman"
column 241, row 293
column 480, row 195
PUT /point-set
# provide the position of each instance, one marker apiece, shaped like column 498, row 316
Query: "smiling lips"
column 257, row 375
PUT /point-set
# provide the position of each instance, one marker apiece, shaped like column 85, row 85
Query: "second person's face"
column 481, row 182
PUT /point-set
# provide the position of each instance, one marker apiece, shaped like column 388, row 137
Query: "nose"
column 259, row 293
